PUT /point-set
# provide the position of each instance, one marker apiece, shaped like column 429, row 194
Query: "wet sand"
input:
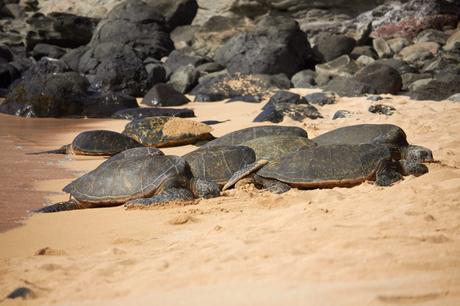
column 365, row 245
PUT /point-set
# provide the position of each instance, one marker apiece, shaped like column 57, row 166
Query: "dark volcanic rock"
column 104, row 105
column 276, row 45
column 51, row 95
column 60, row 29
column 164, row 95
column 42, row 50
column 341, row 114
column 304, row 79
column 184, row 78
column 122, row 72
column 177, row 12
column 226, row 86
column 329, row 47
column 321, row 98
column 114, row 67
column 184, row 57
column 23, row 293
column 136, row 25
column 285, row 103
column 348, row 87
column 139, row 113
column 437, row 89
column 381, row 78
column 382, row 109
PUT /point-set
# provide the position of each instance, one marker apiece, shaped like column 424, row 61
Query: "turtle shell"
column 328, row 165
column 167, row 131
column 102, row 142
column 126, row 176
column 218, row 164
column 273, row 148
column 241, row 136
column 364, row 133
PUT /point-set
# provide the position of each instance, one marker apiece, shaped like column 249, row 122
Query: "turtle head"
column 418, row 153
column 204, row 189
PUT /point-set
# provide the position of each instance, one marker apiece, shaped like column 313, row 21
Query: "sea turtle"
column 274, row 147
column 391, row 135
column 167, row 131
column 332, row 165
column 97, row 143
column 140, row 176
column 240, row 136
column 219, row 163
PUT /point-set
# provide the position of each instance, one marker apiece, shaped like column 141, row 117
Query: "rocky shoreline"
column 59, row 64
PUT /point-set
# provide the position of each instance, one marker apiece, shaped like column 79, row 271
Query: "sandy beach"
column 365, row 245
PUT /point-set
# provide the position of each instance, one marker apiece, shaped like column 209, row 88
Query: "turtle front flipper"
column 67, row 149
column 388, row 172
column 168, row 195
column 62, row 206
column 274, row 186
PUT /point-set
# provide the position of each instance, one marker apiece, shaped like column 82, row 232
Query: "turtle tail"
column 61, row 206
column 62, row 150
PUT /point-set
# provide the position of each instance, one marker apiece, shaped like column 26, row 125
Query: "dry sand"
column 365, row 245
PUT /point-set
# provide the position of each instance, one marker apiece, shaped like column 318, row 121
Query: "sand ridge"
column 365, row 245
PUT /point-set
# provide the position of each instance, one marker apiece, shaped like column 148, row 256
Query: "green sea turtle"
column 274, row 147
column 97, row 143
column 167, row 131
column 219, row 163
column 140, row 176
column 332, row 165
column 240, row 136
column 391, row 135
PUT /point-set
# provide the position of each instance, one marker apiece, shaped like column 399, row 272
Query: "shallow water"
column 20, row 171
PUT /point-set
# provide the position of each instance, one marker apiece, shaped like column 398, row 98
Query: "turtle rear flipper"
column 244, row 172
column 274, row 186
column 168, row 195
column 62, row 150
column 62, row 206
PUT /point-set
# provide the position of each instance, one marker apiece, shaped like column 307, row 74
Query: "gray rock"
column 342, row 66
column 164, row 95
column 432, row 35
column 304, row 79
column 329, row 47
column 409, row 78
column 321, row 98
column 276, row 45
column 348, row 87
column 184, row 78
column 382, row 109
column 364, row 60
column 341, row 114
column 453, row 43
column 418, row 84
column 381, row 78
column 382, row 48
column 363, row 50
column 397, row 44
column 436, row 90
column 454, row 98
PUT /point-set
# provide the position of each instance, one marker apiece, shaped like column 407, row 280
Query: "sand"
column 365, row 245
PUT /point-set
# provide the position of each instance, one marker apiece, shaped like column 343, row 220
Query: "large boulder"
column 60, row 29
column 276, row 45
column 137, row 25
column 381, row 78
column 47, row 95
column 329, row 47
column 237, row 86
column 177, row 12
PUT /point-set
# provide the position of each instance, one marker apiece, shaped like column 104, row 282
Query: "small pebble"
column 382, row 109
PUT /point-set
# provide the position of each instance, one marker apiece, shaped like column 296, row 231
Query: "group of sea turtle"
column 273, row 157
